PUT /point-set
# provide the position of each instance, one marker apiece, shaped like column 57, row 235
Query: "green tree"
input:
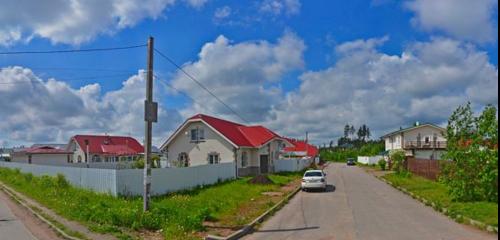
column 347, row 130
column 473, row 150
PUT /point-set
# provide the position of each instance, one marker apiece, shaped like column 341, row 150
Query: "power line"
column 181, row 92
column 199, row 84
column 69, row 79
column 74, row 50
column 79, row 69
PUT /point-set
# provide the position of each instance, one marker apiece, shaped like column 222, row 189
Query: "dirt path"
column 28, row 226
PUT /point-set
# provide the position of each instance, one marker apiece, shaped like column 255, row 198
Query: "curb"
column 249, row 227
column 17, row 199
column 457, row 218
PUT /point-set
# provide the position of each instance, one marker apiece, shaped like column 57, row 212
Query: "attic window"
column 197, row 134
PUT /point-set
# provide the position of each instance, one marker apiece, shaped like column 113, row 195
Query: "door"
column 264, row 163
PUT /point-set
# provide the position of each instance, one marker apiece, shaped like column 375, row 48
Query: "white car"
column 314, row 179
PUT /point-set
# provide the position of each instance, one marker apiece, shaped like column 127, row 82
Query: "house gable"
column 198, row 151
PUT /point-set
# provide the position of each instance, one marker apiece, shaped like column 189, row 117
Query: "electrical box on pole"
column 150, row 116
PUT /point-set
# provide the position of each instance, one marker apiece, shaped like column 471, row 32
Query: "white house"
column 203, row 139
column 43, row 155
column 425, row 141
column 103, row 148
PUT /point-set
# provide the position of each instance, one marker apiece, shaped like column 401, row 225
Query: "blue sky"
column 318, row 49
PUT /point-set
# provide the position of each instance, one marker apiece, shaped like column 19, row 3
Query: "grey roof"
column 413, row 127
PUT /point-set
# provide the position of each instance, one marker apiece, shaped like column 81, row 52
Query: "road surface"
column 359, row 206
column 10, row 226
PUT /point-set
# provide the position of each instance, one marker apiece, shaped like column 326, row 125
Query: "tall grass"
column 178, row 215
column 436, row 192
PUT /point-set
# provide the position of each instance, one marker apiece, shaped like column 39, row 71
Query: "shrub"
column 61, row 181
column 382, row 163
column 397, row 159
column 473, row 149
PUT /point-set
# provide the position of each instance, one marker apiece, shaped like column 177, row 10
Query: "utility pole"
column 150, row 116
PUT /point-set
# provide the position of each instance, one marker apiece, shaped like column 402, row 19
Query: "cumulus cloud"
column 464, row 19
column 244, row 75
column 278, row 7
column 424, row 83
column 52, row 111
column 77, row 21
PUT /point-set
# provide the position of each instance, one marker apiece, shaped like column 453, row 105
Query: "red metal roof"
column 301, row 146
column 241, row 135
column 109, row 145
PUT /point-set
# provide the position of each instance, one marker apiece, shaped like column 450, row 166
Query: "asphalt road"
column 10, row 226
column 359, row 206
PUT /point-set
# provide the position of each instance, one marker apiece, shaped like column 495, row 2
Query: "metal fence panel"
column 99, row 180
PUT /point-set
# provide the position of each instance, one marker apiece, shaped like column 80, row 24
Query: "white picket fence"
column 291, row 165
column 130, row 181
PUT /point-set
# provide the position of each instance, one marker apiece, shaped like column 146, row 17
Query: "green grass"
column 486, row 212
column 178, row 215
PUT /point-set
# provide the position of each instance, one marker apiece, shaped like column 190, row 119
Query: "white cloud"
column 244, row 75
column 222, row 13
column 365, row 86
column 464, row 19
column 278, row 7
column 197, row 3
column 51, row 111
column 77, row 21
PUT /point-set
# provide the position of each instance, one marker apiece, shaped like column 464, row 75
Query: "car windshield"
column 313, row 174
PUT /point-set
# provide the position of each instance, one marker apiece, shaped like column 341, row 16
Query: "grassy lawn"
column 177, row 216
column 486, row 212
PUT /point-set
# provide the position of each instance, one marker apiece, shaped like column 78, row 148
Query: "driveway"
column 359, row 206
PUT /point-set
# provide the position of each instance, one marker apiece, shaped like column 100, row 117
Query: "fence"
column 369, row 160
column 291, row 165
column 130, row 181
column 99, row 180
column 427, row 168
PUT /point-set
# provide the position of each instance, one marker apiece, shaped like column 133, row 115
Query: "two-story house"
column 204, row 139
column 425, row 141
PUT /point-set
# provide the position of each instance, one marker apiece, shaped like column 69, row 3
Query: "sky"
column 294, row 66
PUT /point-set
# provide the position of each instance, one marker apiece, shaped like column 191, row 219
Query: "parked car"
column 314, row 179
column 351, row 162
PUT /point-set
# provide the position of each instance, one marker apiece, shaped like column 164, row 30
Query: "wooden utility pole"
column 150, row 116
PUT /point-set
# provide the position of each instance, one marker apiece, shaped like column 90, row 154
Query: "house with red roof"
column 299, row 149
column 42, row 154
column 103, row 148
column 204, row 139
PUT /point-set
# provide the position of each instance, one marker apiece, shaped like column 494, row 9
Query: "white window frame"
column 197, row 134
column 213, row 158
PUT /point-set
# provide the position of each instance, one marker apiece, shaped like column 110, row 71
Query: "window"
column 427, row 139
column 194, row 135
column 244, row 159
column 79, row 158
column 96, row 158
column 213, row 158
column 183, row 160
column 197, row 135
column 313, row 174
